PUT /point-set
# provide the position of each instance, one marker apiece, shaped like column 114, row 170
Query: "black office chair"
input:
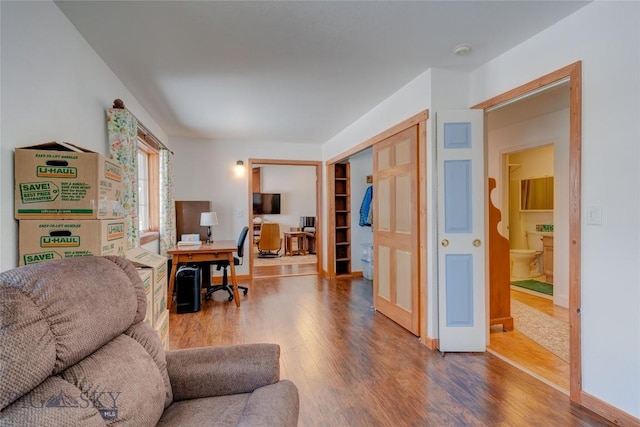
column 224, row 265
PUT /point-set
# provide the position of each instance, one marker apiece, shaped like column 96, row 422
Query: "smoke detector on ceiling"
column 462, row 49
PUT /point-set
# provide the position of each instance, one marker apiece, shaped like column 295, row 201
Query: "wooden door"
column 461, row 231
column 396, row 231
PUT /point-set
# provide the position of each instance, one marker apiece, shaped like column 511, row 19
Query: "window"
column 148, row 189
column 143, row 190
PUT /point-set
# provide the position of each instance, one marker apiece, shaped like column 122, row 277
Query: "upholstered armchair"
column 75, row 351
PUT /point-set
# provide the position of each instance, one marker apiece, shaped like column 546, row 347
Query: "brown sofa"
column 74, row 351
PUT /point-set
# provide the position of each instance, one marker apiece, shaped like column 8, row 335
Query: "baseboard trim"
column 217, row 280
column 432, row 343
column 613, row 414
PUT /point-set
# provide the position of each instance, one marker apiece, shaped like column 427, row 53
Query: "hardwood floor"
column 526, row 354
column 284, row 270
column 355, row 367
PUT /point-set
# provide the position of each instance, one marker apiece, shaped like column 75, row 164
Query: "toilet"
column 527, row 263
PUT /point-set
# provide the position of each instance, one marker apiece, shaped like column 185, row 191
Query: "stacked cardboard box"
column 157, row 264
column 69, row 203
column 162, row 328
column 146, row 275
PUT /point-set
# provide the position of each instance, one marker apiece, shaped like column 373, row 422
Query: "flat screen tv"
column 266, row 203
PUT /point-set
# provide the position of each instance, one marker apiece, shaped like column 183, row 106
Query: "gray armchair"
column 74, row 350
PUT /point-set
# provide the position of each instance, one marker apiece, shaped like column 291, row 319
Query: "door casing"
column 574, row 73
column 319, row 223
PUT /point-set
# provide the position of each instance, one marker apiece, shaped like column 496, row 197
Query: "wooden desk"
column 288, row 242
column 216, row 251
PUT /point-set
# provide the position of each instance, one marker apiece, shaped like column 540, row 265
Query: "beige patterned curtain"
column 167, row 206
column 122, row 127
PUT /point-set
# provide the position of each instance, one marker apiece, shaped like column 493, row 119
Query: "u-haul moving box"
column 144, row 258
column 162, row 328
column 43, row 240
column 146, row 275
column 63, row 181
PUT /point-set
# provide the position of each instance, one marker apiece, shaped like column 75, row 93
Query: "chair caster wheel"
column 207, row 297
column 245, row 292
column 230, row 298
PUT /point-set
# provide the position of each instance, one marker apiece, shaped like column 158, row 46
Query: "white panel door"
column 461, row 231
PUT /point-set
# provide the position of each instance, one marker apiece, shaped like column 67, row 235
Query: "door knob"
column 476, row 243
column 444, row 243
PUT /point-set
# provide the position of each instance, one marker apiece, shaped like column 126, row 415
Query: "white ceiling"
column 291, row 71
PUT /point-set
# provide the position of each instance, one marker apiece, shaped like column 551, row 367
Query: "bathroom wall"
column 549, row 135
column 533, row 163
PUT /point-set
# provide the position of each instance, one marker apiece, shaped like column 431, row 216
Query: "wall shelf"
column 342, row 200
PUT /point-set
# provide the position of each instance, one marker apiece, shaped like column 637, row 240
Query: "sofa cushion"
column 28, row 350
column 55, row 313
column 150, row 340
column 272, row 405
column 53, row 403
column 220, row 411
column 123, row 377
column 234, row 369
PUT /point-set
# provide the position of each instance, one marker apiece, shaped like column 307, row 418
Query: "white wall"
column 406, row 102
column 204, row 170
column 297, row 188
column 360, row 165
column 610, row 308
column 54, row 87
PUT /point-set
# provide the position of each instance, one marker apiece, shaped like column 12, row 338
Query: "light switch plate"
column 594, row 215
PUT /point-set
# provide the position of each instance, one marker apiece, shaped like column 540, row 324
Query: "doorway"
column 294, row 195
column 416, row 250
column 572, row 75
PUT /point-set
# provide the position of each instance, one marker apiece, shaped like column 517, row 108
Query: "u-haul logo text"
column 112, row 171
column 59, row 241
column 45, row 171
column 115, row 231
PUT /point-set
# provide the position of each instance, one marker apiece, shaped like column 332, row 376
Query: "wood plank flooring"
column 284, row 270
column 355, row 367
column 529, row 355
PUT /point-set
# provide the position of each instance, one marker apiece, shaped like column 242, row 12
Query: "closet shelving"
column 342, row 219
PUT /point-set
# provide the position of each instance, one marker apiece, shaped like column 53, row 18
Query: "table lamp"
column 207, row 219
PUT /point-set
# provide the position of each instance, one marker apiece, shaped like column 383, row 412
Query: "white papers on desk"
column 198, row 243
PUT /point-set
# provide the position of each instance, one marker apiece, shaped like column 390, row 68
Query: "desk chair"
column 270, row 241
column 224, row 265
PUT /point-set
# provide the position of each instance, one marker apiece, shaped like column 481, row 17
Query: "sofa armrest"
column 215, row 371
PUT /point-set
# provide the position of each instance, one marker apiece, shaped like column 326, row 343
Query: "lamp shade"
column 208, row 219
